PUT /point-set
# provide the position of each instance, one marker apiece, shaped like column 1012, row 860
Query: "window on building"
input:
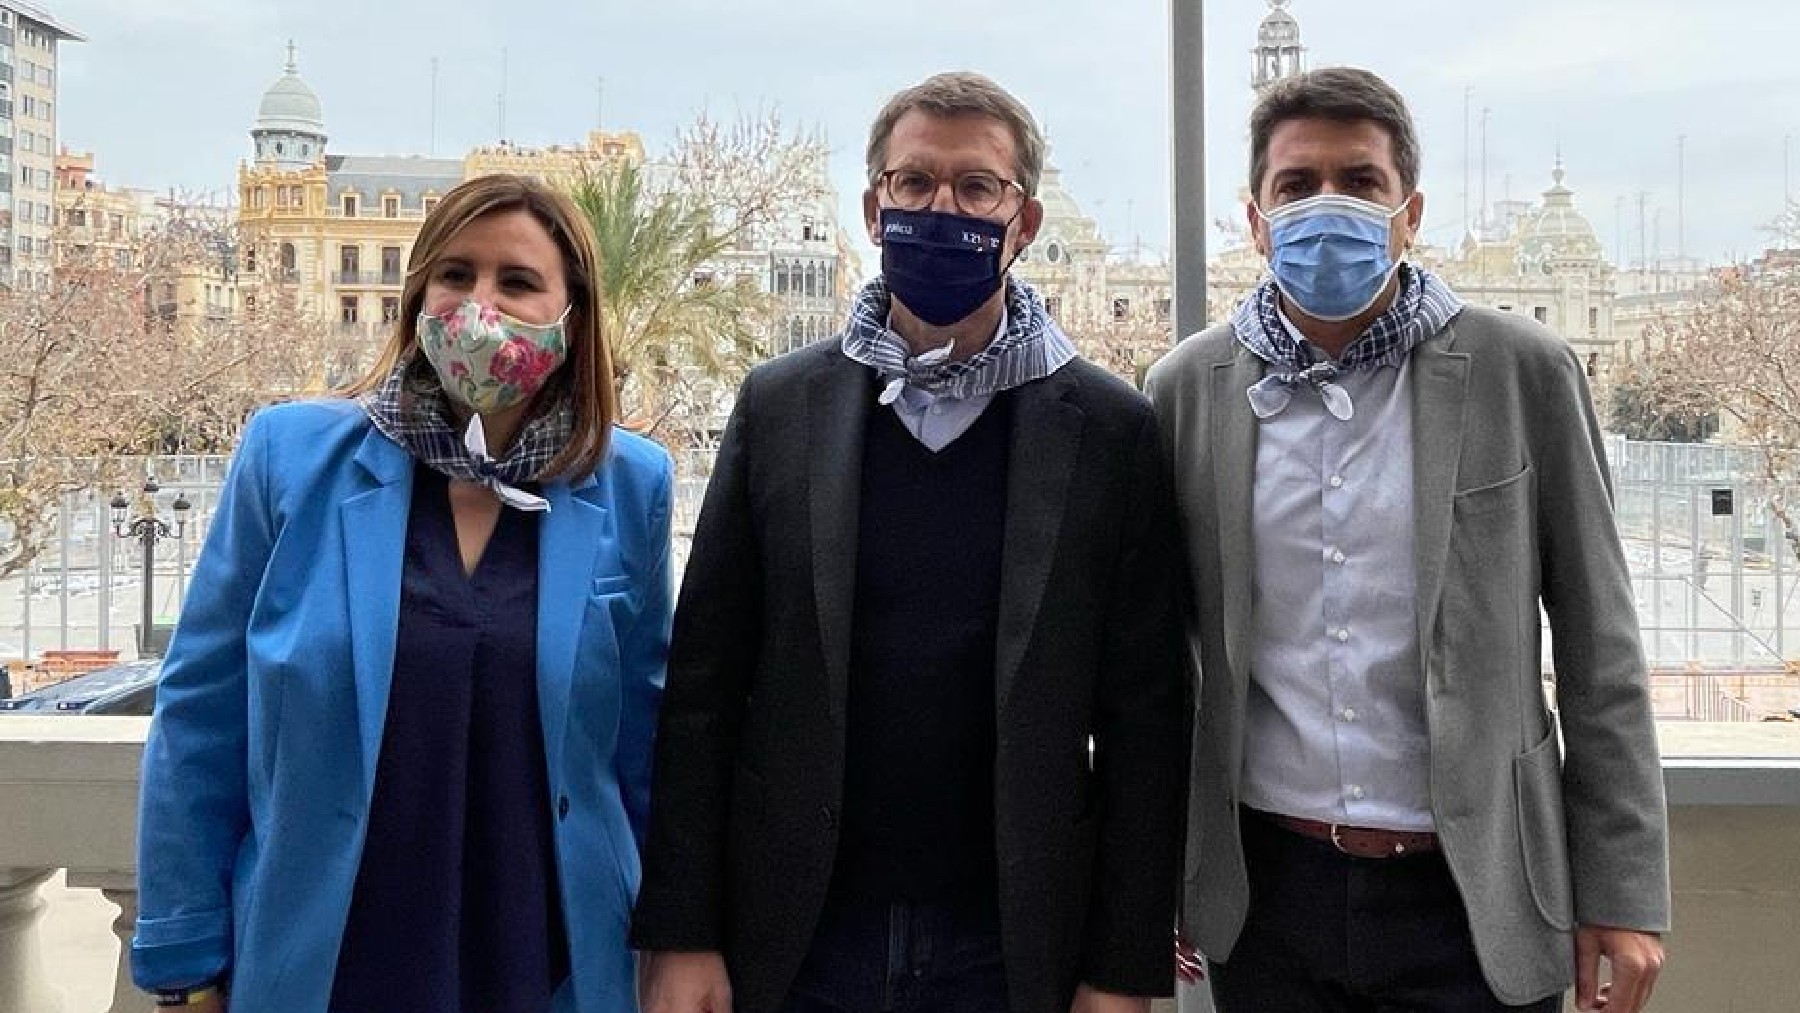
column 249, row 302
column 349, row 200
column 390, row 265
column 1162, row 310
column 115, row 225
column 24, row 246
column 122, row 259
column 347, row 307
column 349, row 262
column 1504, row 307
column 250, row 258
column 1593, row 365
column 390, row 207
column 288, row 258
column 27, row 141
column 1541, row 314
column 75, row 218
column 24, row 175
column 390, row 308
column 43, row 247
column 43, row 179
column 1594, row 319
column 430, row 204
column 1121, row 308
column 28, row 105
column 1053, row 305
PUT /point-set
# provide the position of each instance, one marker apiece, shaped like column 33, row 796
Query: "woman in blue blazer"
column 401, row 753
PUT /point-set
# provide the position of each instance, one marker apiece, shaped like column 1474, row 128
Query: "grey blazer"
column 1513, row 507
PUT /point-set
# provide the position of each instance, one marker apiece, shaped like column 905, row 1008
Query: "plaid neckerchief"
column 1422, row 307
column 1031, row 347
column 411, row 408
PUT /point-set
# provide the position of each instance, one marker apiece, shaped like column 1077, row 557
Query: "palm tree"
column 674, row 323
column 682, row 246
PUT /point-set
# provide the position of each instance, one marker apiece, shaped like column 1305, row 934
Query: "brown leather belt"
column 1360, row 842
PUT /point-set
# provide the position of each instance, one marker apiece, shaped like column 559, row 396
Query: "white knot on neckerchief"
column 488, row 471
column 1270, row 395
column 897, row 382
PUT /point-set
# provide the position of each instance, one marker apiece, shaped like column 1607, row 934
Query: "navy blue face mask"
column 941, row 266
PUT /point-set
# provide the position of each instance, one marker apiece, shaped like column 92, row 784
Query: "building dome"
column 1557, row 232
column 290, row 105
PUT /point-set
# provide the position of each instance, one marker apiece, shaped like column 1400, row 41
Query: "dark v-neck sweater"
column 919, row 779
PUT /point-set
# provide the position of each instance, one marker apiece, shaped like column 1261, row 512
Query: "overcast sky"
column 165, row 92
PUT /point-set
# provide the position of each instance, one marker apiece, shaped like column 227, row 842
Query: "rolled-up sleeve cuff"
column 183, row 951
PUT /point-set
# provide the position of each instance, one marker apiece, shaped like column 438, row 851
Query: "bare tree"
column 106, row 363
column 1734, row 356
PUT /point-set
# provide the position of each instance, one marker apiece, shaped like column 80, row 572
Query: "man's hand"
column 1632, row 957
column 1092, row 1000
column 672, row 982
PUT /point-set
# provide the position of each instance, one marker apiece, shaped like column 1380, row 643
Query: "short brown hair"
column 1343, row 94
column 586, row 376
column 963, row 93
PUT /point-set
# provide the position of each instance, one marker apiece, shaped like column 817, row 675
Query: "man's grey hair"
column 1342, row 94
column 963, row 93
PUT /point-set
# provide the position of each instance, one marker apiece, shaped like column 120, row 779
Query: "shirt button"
column 1337, row 481
column 1356, row 791
column 1348, row 714
column 1335, row 555
column 1342, row 635
column 937, row 409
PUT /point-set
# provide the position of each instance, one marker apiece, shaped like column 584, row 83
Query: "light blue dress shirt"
column 937, row 421
column 1335, row 723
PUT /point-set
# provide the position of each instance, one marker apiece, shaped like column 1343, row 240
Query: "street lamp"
column 148, row 529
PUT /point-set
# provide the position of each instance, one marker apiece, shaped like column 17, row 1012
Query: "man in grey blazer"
column 924, row 741
column 1379, row 487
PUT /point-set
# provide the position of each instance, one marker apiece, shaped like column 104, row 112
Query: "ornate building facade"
column 341, row 227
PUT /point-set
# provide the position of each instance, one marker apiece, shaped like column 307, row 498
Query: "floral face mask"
column 490, row 361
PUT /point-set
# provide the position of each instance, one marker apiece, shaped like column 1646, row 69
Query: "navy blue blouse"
column 455, row 906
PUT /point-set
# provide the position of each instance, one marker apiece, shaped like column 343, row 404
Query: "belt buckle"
column 1337, row 841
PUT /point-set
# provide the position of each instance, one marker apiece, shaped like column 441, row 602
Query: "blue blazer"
column 261, row 758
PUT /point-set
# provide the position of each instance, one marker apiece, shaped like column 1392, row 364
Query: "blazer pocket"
column 1543, row 831
column 1508, row 493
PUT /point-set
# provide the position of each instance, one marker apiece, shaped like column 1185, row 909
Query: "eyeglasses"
column 977, row 192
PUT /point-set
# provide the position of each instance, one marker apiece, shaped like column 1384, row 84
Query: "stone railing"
column 68, row 789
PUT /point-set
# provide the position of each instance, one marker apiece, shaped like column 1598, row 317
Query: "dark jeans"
column 902, row 958
column 1334, row 934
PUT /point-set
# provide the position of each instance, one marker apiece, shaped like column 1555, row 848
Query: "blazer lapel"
column 374, row 548
column 1233, row 437
column 1439, row 409
column 1046, row 439
column 572, row 533
column 839, row 397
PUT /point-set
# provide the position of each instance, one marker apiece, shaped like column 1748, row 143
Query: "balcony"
column 1734, row 792
column 368, row 279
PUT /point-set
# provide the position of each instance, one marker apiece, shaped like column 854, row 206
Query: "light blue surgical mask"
column 1329, row 253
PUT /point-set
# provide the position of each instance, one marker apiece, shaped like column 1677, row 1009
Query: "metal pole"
column 149, row 539
column 62, row 520
column 1187, row 81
